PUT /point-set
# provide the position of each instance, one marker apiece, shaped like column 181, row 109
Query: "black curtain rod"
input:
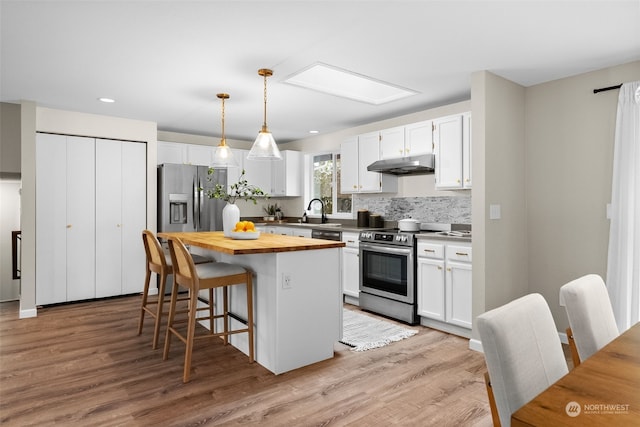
column 604, row 89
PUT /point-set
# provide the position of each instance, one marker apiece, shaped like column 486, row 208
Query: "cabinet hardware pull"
column 448, row 268
column 429, row 250
column 439, row 268
column 462, row 253
column 350, row 241
column 68, row 225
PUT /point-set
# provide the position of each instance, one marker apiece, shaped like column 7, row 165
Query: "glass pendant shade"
column 223, row 156
column 264, row 147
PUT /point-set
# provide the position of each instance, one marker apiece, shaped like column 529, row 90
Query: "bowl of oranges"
column 245, row 230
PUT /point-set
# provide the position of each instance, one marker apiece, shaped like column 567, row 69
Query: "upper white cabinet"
column 392, row 143
column 403, row 141
column 418, row 138
column 279, row 178
column 466, row 150
column 189, row 154
column 90, row 213
column 287, row 175
column 452, row 142
column 356, row 154
column 170, row 152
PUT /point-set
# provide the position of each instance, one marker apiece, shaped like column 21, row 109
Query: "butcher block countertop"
column 266, row 243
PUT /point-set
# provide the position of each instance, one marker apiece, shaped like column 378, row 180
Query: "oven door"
column 387, row 271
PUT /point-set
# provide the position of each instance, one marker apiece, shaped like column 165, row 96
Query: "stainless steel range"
column 388, row 274
column 388, row 284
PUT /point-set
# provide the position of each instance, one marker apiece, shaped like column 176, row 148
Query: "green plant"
column 271, row 209
column 239, row 190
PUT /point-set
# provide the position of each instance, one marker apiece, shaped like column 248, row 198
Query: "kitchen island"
column 297, row 294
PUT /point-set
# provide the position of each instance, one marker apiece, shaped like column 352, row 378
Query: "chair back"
column 590, row 314
column 523, row 352
column 155, row 255
column 184, row 270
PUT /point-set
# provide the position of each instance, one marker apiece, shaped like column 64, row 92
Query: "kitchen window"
column 324, row 184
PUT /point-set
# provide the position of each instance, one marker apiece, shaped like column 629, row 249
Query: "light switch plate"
column 494, row 212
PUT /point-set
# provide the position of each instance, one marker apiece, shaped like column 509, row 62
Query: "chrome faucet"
column 323, row 217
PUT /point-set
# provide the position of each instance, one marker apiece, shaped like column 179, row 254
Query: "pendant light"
column 264, row 147
column 223, row 157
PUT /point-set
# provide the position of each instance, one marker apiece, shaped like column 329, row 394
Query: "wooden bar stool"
column 196, row 278
column 159, row 262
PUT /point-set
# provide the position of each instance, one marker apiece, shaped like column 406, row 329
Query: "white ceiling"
column 164, row 61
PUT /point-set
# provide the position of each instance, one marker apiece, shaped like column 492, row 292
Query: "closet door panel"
column 134, row 215
column 51, row 219
column 80, row 218
column 108, row 217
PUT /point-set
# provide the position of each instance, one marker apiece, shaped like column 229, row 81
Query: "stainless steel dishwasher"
column 326, row 234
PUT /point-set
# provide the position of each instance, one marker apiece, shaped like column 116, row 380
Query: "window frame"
column 308, row 185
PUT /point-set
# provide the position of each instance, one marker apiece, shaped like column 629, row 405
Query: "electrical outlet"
column 286, row 281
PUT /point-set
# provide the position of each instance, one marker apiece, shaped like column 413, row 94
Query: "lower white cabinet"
column 351, row 265
column 90, row 213
column 444, row 282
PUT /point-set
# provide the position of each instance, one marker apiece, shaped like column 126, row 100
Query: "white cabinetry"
column 444, row 284
column 90, row 212
column 351, row 266
column 356, row 154
column 418, row 138
column 120, row 216
column 290, row 231
column 410, row 140
column 172, row 152
column 392, row 143
column 452, row 141
column 287, row 175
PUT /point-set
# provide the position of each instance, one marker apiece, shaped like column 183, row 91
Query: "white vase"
column 230, row 216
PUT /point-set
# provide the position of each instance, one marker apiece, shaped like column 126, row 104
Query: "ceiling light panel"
column 336, row 81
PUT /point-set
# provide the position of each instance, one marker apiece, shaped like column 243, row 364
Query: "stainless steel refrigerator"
column 183, row 204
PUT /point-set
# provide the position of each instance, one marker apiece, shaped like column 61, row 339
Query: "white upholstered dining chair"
column 522, row 350
column 592, row 324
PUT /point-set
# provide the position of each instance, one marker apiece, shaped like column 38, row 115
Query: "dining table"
column 604, row 390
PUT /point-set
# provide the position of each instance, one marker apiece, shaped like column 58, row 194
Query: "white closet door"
column 134, row 215
column 108, row 218
column 80, row 218
column 51, row 219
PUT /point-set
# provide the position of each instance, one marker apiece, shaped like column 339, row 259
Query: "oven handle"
column 384, row 249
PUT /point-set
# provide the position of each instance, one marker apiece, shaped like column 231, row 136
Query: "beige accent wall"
column 38, row 119
column 569, row 140
column 499, row 245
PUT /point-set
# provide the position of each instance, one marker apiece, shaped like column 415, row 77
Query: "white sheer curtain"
column 623, row 269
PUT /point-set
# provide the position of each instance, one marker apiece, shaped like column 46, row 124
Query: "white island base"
column 297, row 306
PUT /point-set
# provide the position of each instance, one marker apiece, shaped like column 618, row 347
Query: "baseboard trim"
column 31, row 312
column 475, row 345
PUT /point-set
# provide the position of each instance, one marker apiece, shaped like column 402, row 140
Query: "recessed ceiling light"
column 314, row 131
column 107, row 100
column 347, row 84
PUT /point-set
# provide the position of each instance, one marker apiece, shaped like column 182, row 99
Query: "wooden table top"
column 604, row 390
column 266, row 243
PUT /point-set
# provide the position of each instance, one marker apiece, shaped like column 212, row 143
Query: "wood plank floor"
column 84, row 364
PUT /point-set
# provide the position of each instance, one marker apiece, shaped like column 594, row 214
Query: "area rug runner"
column 364, row 332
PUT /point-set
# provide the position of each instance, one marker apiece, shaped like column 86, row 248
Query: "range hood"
column 411, row 165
